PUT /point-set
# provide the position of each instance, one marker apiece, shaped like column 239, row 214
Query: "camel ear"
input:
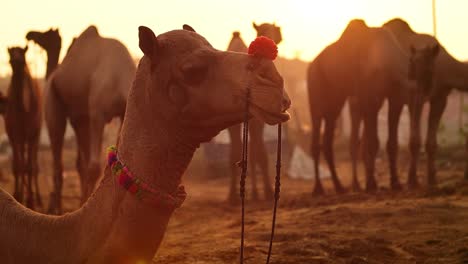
column 435, row 50
column 255, row 26
column 412, row 50
column 25, row 49
column 148, row 42
column 188, row 28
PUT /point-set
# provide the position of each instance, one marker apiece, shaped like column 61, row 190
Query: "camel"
column 421, row 67
column 363, row 65
column 449, row 73
column 51, row 42
column 257, row 149
column 89, row 88
column 184, row 93
column 330, row 81
column 23, row 119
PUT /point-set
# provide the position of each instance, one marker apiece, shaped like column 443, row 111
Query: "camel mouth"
column 269, row 117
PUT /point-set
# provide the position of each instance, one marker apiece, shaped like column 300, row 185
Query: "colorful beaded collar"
column 142, row 190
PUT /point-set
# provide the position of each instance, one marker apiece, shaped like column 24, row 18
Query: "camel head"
column 421, row 65
column 235, row 34
column 203, row 90
column 269, row 30
column 17, row 58
column 49, row 40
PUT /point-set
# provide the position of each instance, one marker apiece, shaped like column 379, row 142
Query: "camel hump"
column 354, row 30
column 398, row 24
column 90, row 32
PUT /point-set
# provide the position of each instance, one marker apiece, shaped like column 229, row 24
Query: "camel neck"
column 155, row 151
column 15, row 93
column 452, row 73
column 73, row 236
column 113, row 226
column 52, row 62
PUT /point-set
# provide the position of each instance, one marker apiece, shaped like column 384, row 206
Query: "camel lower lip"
column 269, row 117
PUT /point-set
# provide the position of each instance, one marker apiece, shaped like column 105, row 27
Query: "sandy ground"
column 406, row 227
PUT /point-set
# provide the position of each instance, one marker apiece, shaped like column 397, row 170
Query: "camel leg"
column 234, row 157
column 328, row 139
column 356, row 119
column 371, row 146
column 29, row 175
column 18, row 194
column 56, row 123
column 35, row 170
column 257, row 128
column 252, row 174
column 437, row 107
column 95, row 154
column 23, row 172
column 82, row 128
column 415, row 142
column 315, row 150
column 394, row 113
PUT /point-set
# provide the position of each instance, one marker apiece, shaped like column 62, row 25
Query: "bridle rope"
column 244, row 164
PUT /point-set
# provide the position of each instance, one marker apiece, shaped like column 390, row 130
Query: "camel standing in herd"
column 89, row 88
column 449, row 73
column 258, row 156
column 366, row 65
column 171, row 109
column 23, row 119
column 331, row 80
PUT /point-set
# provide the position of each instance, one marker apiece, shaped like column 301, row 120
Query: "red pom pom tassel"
column 263, row 47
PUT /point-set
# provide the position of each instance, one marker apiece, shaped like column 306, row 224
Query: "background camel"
column 370, row 64
column 89, row 88
column 23, row 118
column 421, row 62
column 449, row 73
column 331, row 78
column 258, row 156
column 51, row 42
column 171, row 109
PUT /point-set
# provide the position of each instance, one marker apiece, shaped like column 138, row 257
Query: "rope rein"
column 244, row 164
column 277, row 191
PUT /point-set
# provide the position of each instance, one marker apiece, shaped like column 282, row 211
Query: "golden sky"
column 307, row 25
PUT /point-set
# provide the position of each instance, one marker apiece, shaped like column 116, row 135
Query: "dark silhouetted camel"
column 23, row 125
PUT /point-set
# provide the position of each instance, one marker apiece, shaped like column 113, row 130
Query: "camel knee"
column 315, row 149
column 415, row 145
column 392, row 147
column 431, row 147
column 372, row 146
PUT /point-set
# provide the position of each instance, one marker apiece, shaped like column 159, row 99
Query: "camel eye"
column 195, row 74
